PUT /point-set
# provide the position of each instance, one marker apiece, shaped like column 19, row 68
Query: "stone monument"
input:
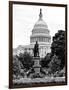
column 36, row 58
column 36, row 67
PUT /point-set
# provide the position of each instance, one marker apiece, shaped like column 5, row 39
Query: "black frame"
column 10, row 43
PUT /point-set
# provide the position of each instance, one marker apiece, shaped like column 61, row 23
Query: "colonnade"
column 42, row 51
column 40, row 39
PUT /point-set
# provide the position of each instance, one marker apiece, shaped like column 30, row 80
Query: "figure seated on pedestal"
column 36, row 50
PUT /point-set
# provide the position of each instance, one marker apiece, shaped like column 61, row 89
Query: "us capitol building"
column 41, row 34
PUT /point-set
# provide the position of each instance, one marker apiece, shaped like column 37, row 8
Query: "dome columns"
column 40, row 39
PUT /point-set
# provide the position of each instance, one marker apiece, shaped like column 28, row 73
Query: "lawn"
column 38, row 80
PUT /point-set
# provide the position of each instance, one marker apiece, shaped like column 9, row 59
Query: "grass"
column 38, row 80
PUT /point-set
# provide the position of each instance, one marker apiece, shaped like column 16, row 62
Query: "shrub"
column 27, row 60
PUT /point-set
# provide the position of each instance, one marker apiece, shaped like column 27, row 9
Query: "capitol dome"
column 40, row 32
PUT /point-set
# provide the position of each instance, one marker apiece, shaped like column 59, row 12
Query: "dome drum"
column 40, row 35
column 40, row 39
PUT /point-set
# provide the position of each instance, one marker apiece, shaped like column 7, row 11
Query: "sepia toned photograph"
column 37, row 44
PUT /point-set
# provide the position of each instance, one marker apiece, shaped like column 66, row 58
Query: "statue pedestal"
column 37, row 64
column 36, row 67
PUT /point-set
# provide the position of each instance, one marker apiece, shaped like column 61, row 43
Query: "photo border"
column 11, row 86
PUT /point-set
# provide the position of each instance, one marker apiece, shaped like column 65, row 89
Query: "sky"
column 25, row 17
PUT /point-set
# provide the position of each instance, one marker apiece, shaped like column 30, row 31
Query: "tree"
column 54, row 64
column 58, row 46
column 27, row 60
column 16, row 68
column 45, row 61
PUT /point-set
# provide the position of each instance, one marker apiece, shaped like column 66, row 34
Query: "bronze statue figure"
column 36, row 50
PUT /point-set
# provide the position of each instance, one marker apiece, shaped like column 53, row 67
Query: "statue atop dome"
column 40, row 15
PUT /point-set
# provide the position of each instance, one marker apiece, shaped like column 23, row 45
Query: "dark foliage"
column 26, row 60
column 16, row 67
column 58, row 46
column 45, row 61
column 54, row 65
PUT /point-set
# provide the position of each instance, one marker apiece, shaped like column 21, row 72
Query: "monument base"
column 37, row 65
column 36, row 69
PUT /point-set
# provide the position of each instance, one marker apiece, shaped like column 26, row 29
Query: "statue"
column 36, row 50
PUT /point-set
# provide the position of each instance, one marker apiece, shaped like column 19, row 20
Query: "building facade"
column 41, row 34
